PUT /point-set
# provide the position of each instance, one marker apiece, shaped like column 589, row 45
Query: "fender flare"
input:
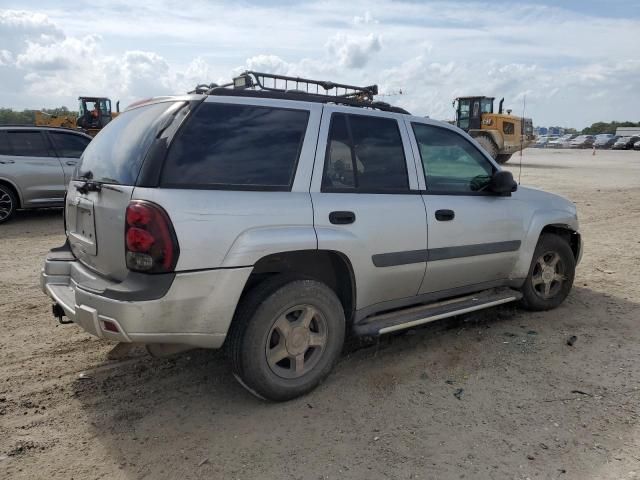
column 15, row 187
column 256, row 243
column 539, row 221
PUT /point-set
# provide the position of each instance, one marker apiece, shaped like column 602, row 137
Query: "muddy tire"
column 286, row 337
column 551, row 274
column 503, row 158
column 8, row 203
column 489, row 145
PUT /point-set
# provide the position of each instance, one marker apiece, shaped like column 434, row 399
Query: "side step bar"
column 418, row 315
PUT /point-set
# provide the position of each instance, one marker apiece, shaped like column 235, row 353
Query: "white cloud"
column 351, row 51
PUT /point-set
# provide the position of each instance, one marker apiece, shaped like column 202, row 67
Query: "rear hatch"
column 103, row 183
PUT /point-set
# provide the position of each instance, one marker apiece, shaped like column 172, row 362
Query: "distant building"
column 627, row 131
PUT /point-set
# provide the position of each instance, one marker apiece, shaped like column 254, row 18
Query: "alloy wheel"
column 6, row 205
column 296, row 341
column 548, row 275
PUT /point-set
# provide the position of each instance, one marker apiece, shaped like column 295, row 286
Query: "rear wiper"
column 89, row 186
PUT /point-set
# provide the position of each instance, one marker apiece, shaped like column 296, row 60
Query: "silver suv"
column 271, row 222
column 36, row 165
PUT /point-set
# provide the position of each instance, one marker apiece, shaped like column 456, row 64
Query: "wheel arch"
column 559, row 222
column 327, row 266
column 14, row 188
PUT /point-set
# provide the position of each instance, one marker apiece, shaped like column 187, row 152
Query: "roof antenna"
column 524, row 108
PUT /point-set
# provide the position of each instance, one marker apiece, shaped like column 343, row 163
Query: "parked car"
column 561, row 142
column 36, row 164
column 271, row 222
column 636, row 146
column 582, row 141
column 625, row 143
column 543, row 141
column 605, row 141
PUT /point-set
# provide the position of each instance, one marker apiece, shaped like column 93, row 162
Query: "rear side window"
column 237, row 147
column 115, row 155
column 4, row 144
column 24, row 143
column 364, row 155
column 68, row 144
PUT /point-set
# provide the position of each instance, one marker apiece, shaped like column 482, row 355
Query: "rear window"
column 68, row 145
column 25, row 143
column 115, row 155
column 237, row 147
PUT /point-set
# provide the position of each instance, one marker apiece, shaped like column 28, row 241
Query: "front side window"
column 451, row 163
column 24, row 143
column 365, row 155
column 68, row 145
column 231, row 146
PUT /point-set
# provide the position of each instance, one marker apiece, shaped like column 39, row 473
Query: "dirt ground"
column 498, row 395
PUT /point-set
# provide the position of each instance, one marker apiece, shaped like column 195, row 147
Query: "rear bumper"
column 195, row 308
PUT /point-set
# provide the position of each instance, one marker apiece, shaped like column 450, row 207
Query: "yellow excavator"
column 500, row 134
column 94, row 113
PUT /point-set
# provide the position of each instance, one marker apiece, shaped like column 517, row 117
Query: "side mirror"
column 502, row 183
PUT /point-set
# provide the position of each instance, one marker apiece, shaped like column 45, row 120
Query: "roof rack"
column 257, row 84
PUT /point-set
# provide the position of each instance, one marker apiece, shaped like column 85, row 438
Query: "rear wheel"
column 551, row 274
column 488, row 145
column 8, row 203
column 286, row 337
column 503, row 158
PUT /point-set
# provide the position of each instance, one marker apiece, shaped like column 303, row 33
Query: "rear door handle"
column 7, row 161
column 71, row 163
column 445, row 215
column 342, row 218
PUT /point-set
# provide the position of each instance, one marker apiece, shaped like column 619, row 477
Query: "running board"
column 417, row 315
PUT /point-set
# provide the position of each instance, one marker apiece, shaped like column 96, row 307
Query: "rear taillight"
column 151, row 245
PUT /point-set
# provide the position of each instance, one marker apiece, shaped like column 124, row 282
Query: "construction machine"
column 500, row 134
column 94, row 113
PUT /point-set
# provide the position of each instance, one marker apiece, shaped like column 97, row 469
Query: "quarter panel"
column 220, row 228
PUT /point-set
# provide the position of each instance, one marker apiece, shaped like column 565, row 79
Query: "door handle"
column 71, row 163
column 7, row 161
column 445, row 215
column 342, row 218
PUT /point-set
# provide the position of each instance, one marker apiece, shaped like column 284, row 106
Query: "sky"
column 566, row 63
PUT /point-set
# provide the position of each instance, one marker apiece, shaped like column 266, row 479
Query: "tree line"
column 607, row 127
column 27, row 117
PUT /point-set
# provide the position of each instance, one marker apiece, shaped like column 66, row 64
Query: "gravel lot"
column 527, row 405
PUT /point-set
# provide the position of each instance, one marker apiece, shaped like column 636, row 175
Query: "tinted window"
column 237, row 146
column 115, row 155
column 364, row 154
column 24, row 143
column 68, row 144
column 4, row 144
column 451, row 163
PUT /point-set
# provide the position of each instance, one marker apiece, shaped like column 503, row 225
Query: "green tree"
column 607, row 127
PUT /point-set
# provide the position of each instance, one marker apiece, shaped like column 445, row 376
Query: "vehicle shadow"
column 186, row 415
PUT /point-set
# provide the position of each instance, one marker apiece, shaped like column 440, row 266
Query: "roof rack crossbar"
column 271, row 85
column 252, row 79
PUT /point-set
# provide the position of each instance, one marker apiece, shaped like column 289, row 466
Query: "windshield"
column 486, row 105
column 115, row 155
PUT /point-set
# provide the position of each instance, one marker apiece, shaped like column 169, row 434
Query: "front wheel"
column 551, row 274
column 286, row 337
column 8, row 203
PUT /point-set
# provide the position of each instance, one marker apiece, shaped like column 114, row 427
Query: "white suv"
column 273, row 221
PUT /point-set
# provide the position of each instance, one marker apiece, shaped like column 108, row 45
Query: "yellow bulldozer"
column 94, row 113
column 500, row 134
